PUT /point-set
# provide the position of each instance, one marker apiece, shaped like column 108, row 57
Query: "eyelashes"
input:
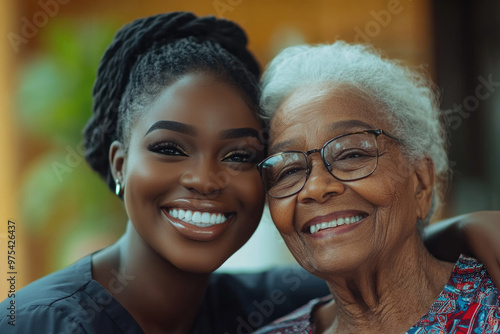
column 167, row 148
column 241, row 156
column 233, row 155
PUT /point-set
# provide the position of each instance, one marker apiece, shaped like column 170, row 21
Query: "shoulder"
column 49, row 304
column 56, row 286
column 299, row 321
column 41, row 319
column 250, row 300
column 470, row 278
column 469, row 300
column 472, row 288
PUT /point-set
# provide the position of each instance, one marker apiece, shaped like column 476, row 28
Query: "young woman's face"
column 191, row 186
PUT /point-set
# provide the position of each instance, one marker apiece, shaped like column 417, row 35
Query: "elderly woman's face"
column 375, row 215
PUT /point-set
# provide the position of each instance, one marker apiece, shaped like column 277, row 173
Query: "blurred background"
column 48, row 60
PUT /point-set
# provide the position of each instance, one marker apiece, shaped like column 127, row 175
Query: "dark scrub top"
column 70, row 301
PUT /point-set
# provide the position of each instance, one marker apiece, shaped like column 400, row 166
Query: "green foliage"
column 55, row 94
column 62, row 200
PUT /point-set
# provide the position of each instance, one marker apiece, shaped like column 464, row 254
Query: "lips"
column 198, row 220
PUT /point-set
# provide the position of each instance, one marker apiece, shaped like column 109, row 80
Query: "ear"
column 425, row 176
column 117, row 157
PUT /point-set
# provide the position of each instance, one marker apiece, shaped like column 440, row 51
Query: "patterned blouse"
column 469, row 303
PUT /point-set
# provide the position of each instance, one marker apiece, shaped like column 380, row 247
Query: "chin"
column 325, row 264
column 198, row 265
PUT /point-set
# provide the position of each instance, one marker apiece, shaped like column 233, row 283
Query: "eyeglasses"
column 347, row 157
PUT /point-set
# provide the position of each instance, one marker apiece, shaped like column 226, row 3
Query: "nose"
column 204, row 177
column 321, row 185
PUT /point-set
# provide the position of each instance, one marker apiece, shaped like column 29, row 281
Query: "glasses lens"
column 284, row 174
column 353, row 156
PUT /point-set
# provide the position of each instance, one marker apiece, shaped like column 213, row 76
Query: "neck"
column 160, row 297
column 387, row 294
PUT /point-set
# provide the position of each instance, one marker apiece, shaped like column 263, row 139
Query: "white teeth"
column 198, row 218
column 205, row 218
column 334, row 223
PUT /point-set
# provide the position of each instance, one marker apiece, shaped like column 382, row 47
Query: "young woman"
column 175, row 134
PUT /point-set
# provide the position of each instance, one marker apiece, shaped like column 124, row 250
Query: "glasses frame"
column 321, row 151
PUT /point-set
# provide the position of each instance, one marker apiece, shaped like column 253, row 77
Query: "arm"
column 476, row 234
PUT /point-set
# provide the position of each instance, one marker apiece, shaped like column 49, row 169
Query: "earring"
column 118, row 187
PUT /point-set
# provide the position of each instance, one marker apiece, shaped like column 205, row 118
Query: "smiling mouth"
column 198, row 218
column 312, row 229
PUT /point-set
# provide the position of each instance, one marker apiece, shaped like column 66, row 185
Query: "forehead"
column 312, row 109
column 203, row 101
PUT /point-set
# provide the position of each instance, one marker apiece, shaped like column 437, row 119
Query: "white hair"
column 411, row 104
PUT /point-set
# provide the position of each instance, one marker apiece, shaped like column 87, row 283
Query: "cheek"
column 249, row 184
column 146, row 180
column 282, row 212
column 390, row 192
column 388, row 185
column 246, row 187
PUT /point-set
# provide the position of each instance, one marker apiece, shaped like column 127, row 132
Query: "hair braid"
column 145, row 40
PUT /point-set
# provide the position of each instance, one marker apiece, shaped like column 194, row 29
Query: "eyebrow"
column 345, row 126
column 191, row 130
column 281, row 146
column 342, row 126
column 173, row 126
column 239, row 133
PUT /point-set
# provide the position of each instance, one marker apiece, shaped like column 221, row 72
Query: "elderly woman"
column 357, row 163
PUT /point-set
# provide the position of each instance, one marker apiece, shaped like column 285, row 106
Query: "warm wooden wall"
column 401, row 27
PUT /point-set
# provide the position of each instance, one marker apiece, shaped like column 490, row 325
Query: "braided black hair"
column 150, row 53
